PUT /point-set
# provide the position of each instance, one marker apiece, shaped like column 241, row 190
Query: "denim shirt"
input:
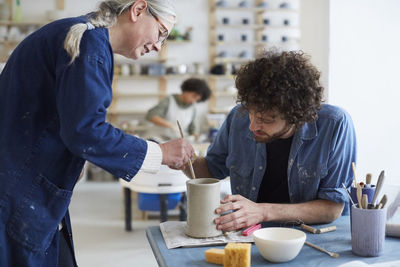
column 53, row 119
column 319, row 160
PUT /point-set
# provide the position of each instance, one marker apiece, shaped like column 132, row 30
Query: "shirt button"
column 254, row 188
column 237, row 187
column 260, row 167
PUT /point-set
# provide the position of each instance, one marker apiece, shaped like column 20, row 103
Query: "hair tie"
column 89, row 26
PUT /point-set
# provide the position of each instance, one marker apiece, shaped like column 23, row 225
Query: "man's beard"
column 273, row 137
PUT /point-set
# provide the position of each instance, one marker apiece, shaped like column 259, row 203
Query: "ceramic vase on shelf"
column 4, row 11
column 17, row 16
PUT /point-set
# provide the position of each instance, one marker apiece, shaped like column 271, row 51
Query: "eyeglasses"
column 163, row 31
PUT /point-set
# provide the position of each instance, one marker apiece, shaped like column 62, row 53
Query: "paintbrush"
column 364, row 201
column 383, row 202
column 368, row 180
column 378, row 187
column 190, row 162
column 353, row 166
column 359, row 196
column 332, row 254
column 347, row 191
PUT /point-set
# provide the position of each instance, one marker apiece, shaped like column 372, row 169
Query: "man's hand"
column 245, row 213
column 176, row 153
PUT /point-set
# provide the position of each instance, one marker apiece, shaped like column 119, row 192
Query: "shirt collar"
column 308, row 131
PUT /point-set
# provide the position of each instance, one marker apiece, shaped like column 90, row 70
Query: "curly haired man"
column 286, row 153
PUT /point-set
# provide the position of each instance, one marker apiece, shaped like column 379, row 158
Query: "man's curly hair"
column 285, row 82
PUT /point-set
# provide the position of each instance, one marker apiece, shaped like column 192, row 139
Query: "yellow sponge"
column 237, row 255
column 215, row 255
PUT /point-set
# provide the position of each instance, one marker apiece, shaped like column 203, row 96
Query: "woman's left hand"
column 245, row 213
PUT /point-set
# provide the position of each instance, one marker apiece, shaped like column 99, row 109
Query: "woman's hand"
column 176, row 153
column 245, row 213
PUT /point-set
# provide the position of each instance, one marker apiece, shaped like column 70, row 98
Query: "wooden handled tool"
column 383, row 202
column 332, row 254
column 347, row 191
column 190, row 162
column 364, row 201
column 326, row 229
column 353, row 166
column 308, row 228
column 317, row 231
column 368, row 178
column 378, row 186
column 359, row 196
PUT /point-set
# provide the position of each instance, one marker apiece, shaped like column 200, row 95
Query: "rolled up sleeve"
column 342, row 154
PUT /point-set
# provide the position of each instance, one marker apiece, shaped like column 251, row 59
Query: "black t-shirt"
column 274, row 186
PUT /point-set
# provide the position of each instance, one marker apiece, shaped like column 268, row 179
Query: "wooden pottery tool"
column 378, row 186
column 326, row 229
column 383, row 202
column 308, row 228
column 317, row 231
column 368, row 179
column 359, row 196
column 190, row 162
column 332, row 254
column 364, row 201
column 353, row 166
column 348, row 193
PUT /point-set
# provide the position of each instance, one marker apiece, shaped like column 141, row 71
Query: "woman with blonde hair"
column 55, row 90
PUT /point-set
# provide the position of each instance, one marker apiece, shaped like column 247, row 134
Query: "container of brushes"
column 369, row 191
column 367, row 231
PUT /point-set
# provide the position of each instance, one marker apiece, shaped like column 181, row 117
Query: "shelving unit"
column 237, row 34
column 22, row 23
column 141, row 94
column 257, row 22
column 24, row 27
column 12, row 33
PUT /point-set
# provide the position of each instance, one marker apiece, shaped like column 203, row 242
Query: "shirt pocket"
column 36, row 218
column 241, row 175
column 309, row 179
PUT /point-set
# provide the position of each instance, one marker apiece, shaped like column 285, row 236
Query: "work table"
column 337, row 241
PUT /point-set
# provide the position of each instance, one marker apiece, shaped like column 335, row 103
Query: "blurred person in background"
column 179, row 107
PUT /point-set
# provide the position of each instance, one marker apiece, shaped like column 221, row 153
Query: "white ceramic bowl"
column 279, row 244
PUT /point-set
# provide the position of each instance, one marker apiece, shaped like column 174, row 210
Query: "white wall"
column 355, row 45
column 364, row 78
column 314, row 27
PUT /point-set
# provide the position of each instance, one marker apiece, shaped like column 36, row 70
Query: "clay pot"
column 203, row 197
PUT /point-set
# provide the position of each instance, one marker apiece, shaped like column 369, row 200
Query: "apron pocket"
column 37, row 216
